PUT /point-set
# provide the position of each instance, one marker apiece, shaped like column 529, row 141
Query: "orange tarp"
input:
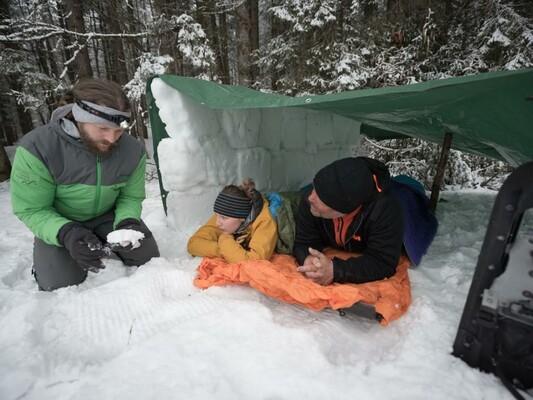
column 279, row 279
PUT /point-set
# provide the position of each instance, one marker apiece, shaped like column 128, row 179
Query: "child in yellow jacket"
column 241, row 229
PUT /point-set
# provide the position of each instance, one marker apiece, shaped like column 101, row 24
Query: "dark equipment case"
column 495, row 333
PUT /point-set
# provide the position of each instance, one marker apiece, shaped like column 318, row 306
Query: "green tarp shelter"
column 489, row 114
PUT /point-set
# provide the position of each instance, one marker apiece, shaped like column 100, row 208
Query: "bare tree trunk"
column 254, row 35
column 10, row 121
column 220, row 45
column 132, row 51
column 75, row 23
column 4, row 9
column 10, row 124
column 441, row 167
column 55, row 59
column 48, row 62
column 223, row 48
column 113, row 15
column 247, row 40
column 5, row 165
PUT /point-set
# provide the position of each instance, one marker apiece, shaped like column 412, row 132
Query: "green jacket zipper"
column 98, row 185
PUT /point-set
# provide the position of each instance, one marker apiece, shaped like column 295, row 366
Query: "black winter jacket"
column 376, row 232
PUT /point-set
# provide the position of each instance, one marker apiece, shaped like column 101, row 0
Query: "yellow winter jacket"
column 258, row 240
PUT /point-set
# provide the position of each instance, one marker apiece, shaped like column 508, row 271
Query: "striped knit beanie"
column 232, row 206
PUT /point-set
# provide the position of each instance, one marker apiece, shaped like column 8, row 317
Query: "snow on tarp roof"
column 489, row 114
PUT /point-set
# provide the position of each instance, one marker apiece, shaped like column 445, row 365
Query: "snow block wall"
column 207, row 149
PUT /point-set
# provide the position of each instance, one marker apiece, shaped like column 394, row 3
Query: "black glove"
column 83, row 245
column 133, row 224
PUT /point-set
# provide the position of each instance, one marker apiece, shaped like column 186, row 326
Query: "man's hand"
column 317, row 267
column 83, row 245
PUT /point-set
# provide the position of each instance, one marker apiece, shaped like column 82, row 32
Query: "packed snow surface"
column 148, row 333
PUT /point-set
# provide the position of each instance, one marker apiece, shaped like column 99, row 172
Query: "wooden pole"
column 439, row 174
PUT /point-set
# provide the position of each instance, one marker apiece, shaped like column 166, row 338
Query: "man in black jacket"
column 349, row 209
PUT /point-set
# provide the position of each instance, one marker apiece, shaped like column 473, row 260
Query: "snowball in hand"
column 124, row 237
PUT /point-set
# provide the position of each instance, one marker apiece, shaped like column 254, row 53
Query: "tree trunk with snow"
column 166, row 40
column 214, row 23
column 76, row 23
column 113, row 17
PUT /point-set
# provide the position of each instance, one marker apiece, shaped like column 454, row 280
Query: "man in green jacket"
column 78, row 178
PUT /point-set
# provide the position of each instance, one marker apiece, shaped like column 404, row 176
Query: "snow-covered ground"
column 148, row 333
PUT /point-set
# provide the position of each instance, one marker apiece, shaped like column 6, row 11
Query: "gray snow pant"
column 54, row 268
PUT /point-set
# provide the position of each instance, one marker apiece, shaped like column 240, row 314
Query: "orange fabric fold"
column 279, row 279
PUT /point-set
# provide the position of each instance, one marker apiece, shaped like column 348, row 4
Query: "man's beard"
column 92, row 145
column 332, row 214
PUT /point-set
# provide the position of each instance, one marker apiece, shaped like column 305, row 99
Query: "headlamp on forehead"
column 120, row 120
column 125, row 124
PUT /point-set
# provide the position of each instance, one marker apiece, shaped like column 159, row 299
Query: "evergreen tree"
column 292, row 47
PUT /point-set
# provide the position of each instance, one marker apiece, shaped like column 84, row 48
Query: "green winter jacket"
column 55, row 179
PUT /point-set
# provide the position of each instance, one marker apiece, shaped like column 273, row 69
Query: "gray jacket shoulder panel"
column 70, row 162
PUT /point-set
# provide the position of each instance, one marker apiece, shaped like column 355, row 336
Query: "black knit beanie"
column 345, row 184
column 232, row 206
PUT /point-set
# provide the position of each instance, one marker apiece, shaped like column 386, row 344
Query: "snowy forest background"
column 291, row 47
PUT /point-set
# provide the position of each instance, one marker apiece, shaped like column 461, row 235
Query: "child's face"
column 228, row 225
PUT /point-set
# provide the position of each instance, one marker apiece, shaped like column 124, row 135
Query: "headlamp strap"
column 121, row 120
